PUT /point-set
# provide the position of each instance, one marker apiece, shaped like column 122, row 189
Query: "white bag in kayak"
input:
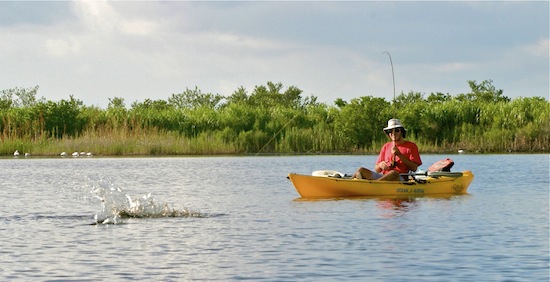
column 328, row 173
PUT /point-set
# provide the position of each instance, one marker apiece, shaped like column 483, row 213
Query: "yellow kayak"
column 338, row 185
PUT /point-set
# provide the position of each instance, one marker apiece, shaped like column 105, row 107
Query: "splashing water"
column 117, row 205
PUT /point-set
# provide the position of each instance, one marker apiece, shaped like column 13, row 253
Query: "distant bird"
column 16, row 153
column 75, row 154
column 461, row 151
column 89, row 154
column 27, row 154
column 63, row 154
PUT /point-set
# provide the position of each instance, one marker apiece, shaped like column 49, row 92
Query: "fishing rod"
column 394, row 109
column 393, row 79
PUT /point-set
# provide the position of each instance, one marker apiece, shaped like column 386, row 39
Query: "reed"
column 294, row 142
column 148, row 143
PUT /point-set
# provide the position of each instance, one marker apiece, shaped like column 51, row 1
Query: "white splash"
column 116, row 205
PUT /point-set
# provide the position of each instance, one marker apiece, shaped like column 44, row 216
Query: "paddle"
column 333, row 173
column 434, row 174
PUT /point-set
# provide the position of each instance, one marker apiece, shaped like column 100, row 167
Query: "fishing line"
column 284, row 126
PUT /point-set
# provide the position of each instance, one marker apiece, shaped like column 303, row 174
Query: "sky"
column 137, row 50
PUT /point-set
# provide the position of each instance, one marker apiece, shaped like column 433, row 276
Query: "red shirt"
column 408, row 149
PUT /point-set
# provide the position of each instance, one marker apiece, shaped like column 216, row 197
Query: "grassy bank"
column 272, row 120
column 120, row 145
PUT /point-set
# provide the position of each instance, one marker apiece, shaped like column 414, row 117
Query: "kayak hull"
column 309, row 186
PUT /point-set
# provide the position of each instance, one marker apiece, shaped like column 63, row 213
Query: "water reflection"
column 396, row 207
column 391, row 206
column 380, row 198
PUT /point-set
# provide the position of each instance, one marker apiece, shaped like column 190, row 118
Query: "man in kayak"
column 396, row 157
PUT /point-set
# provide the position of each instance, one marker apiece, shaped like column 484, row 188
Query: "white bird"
column 16, row 153
column 89, row 154
column 75, row 154
column 63, row 154
column 461, row 151
column 27, row 154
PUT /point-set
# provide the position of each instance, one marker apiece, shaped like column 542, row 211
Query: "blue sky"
column 95, row 50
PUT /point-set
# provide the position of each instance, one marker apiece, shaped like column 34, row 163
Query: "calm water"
column 239, row 218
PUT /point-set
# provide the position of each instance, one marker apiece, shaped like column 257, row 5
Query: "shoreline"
column 50, row 156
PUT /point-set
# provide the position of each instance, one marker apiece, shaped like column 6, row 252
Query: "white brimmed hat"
column 394, row 123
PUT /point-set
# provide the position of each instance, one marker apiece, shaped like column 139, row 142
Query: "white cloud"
column 102, row 17
column 97, row 15
column 453, row 67
column 539, row 49
column 138, row 27
column 61, row 47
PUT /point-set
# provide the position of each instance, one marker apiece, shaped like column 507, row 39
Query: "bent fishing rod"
column 394, row 109
column 393, row 80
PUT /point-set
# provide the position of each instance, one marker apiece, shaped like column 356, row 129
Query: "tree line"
column 274, row 119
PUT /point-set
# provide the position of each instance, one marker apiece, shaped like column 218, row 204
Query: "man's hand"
column 395, row 151
column 383, row 165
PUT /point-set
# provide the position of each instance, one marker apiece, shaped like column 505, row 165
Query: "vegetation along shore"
column 272, row 119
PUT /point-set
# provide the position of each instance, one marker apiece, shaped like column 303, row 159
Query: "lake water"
column 239, row 218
